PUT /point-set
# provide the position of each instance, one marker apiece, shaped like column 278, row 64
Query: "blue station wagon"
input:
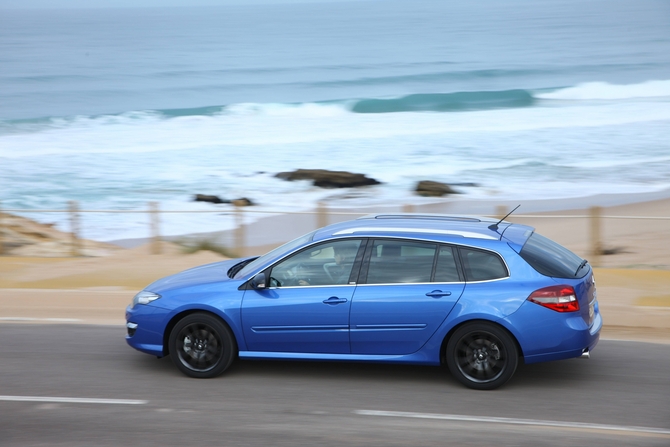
column 476, row 294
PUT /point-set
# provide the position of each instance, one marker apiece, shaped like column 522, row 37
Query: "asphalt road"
column 621, row 396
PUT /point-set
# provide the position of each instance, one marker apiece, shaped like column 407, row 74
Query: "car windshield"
column 274, row 254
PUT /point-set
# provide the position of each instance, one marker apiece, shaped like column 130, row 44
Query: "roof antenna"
column 494, row 227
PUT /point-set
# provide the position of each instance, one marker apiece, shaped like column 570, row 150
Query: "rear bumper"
column 552, row 335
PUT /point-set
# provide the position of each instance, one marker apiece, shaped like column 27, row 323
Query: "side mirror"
column 259, row 281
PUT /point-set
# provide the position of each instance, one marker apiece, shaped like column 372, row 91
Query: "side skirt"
column 417, row 358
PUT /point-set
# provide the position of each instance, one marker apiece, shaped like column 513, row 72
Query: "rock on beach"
column 429, row 188
column 242, row 201
column 324, row 178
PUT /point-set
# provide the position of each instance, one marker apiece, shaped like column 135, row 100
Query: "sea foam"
column 606, row 91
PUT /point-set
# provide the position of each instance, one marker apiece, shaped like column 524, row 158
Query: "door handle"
column 438, row 294
column 335, row 300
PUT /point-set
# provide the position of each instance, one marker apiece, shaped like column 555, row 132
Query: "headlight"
column 145, row 297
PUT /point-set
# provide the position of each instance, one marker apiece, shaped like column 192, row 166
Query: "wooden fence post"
column 73, row 206
column 154, row 217
column 240, row 245
column 596, row 244
column 321, row 215
column 501, row 211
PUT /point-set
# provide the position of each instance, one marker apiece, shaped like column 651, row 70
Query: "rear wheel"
column 482, row 355
column 201, row 346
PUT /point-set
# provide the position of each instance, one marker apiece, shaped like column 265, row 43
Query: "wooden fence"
column 321, row 216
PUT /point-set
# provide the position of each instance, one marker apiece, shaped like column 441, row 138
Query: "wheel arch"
column 445, row 340
column 177, row 317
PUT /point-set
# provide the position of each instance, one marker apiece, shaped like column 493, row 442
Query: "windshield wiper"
column 237, row 267
column 581, row 266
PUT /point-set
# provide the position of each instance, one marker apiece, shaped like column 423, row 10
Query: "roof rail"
column 459, row 218
column 460, row 233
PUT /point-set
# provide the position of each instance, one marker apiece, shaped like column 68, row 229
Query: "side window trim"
column 455, row 250
column 436, row 256
column 365, row 262
column 459, row 263
column 362, row 264
column 355, row 275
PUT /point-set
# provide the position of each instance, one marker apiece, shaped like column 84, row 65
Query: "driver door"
column 305, row 309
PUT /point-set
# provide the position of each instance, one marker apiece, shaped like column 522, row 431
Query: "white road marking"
column 512, row 421
column 53, row 320
column 72, row 400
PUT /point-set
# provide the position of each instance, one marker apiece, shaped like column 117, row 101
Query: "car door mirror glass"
column 259, row 281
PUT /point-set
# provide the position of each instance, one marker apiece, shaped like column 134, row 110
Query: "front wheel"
column 201, row 346
column 482, row 356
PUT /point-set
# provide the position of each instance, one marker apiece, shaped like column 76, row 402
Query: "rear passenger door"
column 485, row 273
column 406, row 290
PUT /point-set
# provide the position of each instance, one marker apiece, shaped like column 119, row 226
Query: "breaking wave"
column 606, row 91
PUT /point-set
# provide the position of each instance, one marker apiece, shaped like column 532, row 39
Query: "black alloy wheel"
column 201, row 346
column 482, row 355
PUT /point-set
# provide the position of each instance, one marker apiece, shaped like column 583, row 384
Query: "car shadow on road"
column 306, row 370
column 558, row 374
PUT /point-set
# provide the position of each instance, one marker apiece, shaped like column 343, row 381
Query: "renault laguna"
column 475, row 294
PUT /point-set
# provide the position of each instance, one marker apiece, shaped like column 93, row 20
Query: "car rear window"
column 551, row 259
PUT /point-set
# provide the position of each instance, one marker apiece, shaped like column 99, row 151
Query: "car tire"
column 201, row 346
column 481, row 355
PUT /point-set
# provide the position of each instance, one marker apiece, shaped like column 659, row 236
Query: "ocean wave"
column 454, row 102
column 422, row 102
column 447, row 102
column 284, row 126
column 440, row 102
column 606, row 91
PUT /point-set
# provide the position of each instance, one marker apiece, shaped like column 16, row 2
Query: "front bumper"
column 144, row 329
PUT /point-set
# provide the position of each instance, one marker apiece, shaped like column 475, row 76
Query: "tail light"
column 558, row 298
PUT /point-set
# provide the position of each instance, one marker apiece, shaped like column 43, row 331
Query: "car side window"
column 446, row 269
column 400, row 262
column 324, row 264
column 480, row 265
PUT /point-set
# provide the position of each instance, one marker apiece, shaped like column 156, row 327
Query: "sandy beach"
column 633, row 279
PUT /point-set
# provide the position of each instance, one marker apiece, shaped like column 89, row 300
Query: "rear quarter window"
column 551, row 259
column 482, row 265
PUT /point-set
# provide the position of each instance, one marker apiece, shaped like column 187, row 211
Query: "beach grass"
column 189, row 246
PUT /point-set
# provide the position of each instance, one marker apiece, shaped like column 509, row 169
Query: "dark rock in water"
column 329, row 179
column 242, row 202
column 208, row 198
column 428, row 188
